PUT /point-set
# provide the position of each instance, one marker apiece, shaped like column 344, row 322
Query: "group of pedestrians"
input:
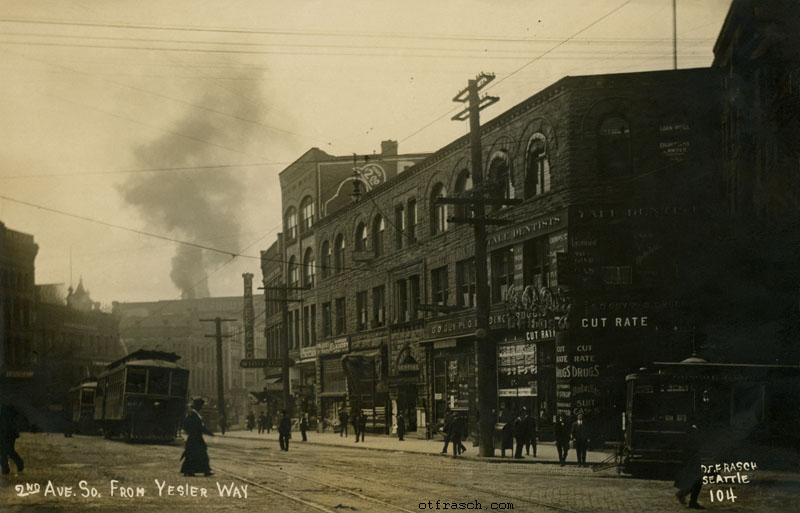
column 359, row 421
column 577, row 432
column 455, row 429
column 263, row 423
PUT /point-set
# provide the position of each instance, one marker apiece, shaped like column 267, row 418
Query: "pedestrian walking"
column 304, row 426
column 268, row 422
column 458, row 432
column 531, row 429
column 561, row 432
column 401, row 426
column 506, row 433
column 690, row 479
column 251, row 421
column 355, row 418
column 284, row 431
column 447, row 423
column 10, row 421
column 262, row 420
column 195, row 452
column 520, row 431
column 580, row 437
column 362, row 424
column 343, row 420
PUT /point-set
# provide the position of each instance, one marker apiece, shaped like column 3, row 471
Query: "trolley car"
column 142, row 396
column 81, row 407
column 737, row 407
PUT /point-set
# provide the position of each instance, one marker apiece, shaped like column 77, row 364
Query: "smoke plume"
column 203, row 206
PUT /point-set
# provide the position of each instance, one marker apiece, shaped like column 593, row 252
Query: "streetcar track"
column 384, row 483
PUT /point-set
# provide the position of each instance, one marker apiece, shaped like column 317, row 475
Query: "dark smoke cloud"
column 203, row 206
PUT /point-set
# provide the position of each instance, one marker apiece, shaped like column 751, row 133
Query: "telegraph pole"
column 220, row 388
column 485, row 347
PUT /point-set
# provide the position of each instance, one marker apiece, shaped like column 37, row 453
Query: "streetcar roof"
column 145, row 354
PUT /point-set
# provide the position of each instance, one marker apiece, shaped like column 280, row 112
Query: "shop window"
column 502, row 273
column 438, row 210
column 379, row 306
column 614, row 146
column 537, row 167
column 465, row 283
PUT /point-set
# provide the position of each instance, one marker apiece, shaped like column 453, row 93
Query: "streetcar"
column 737, row 408
column 142, row 396
column 80, row 409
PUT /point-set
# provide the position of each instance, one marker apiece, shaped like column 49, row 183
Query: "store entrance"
column 407, row 404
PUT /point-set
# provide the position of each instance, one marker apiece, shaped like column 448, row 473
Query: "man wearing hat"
column 580, row 437
column 195, row 451
column 284, row 431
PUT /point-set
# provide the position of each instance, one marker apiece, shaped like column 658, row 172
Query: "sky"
column 129, row 125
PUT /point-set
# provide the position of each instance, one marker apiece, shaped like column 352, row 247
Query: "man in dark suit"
column 520, row 430
column 284, row 431
column 561, row 432
column 401, row 426
column 580, row 437
column 343, row 420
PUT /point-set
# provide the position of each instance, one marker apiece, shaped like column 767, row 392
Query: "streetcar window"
column 137, row 379
column 158, row 382
column 179, row 382
column 87, row 397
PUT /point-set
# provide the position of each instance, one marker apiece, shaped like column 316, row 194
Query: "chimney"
column 388, row 148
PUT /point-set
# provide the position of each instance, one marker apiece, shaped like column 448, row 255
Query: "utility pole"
column 220, row 388
column 485, row 348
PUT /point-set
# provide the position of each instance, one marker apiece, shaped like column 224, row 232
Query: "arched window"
column 325, row 255
column 338, row 254
column 307, row 214
column 294, row 274
column 500, row 186
column 463, row 184
column 438, row 211
column 378, row 227
column 309, row 270
column 290, row 224
column 537, row 167
column 361, row 237
column 614, row 146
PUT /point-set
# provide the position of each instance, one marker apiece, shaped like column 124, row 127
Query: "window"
column 309, row 269
column 438, row 211
column 536, row 254
column 289, row 329
column 136, row 380
column 325, row 251
column 411, row 215
column 313, row 325
column 291, row 224
column 306, row 326
column 307, row 214
column 341, row 326
column 465, row 282
column 361, row 237
column 439, row 285
column 537, row 170
column 338, row 254
column 500, row 186
column 502, row 272
column 414, row 296
column 614, row 146
column 399, row 226
column 379, row 306
column 378, row 227
column 463, row 184
column 361, row 307
column 401, row 289
column 326, row 319
column 294, row 273
column 297, row 329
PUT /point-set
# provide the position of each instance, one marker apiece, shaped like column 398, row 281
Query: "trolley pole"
column 220, row 383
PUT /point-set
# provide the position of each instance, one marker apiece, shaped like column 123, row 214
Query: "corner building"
column 590, row 276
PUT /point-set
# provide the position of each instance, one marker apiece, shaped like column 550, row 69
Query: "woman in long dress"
column 195, row 454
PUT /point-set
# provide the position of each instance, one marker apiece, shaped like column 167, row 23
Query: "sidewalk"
column 545, row 453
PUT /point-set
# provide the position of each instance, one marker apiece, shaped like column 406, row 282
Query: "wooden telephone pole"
column 220, row 383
